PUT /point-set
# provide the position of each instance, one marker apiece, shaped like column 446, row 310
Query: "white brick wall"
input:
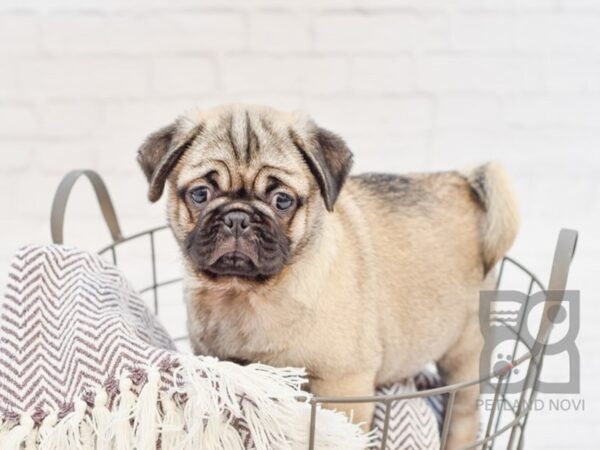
column 411, row 84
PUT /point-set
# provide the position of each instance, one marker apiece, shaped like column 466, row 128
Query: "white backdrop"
column 411, row 84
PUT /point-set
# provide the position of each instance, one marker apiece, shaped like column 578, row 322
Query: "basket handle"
column 563, row 255
column 61, row 197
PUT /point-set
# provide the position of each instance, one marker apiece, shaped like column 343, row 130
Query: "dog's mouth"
column 235, row 263
column 233, row 257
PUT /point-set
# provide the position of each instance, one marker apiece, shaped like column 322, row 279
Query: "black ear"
column 159, row 154
column 329, row 160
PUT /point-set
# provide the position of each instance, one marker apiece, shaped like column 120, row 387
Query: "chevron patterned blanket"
column 85, row 365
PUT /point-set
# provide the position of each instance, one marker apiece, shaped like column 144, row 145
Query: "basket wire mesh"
column 511, row 429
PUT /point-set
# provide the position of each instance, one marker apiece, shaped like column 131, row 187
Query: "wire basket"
column 500, row 430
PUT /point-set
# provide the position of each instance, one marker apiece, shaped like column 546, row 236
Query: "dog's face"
column 248, row 187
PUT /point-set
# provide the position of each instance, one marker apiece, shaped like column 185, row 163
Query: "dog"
column 290, row 261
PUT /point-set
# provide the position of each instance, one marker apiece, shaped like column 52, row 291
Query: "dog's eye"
column 200, row 194
column 283, row 201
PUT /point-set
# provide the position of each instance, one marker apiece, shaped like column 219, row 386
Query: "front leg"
column 461, row 363
column 353, row 385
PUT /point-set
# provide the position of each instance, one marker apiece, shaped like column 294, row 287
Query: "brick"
column 485, row 5
column 9, row 80
column 78, row 33
column 149, row 33
column 554, row 110
column 579, row 5
column 456, row 5
column 462, row 148
column 245, row 74
column 388, row 152
column 554, row 151
column 208, row 32
column 433, row 33
column 17, row 155
column 323, row 75
column 234, row 5
column 483, row 32
column 84, row 78
column 55, row 157
column 383, row 74
column 385, row 32
column 287, row 101
column 27, row 195
column 18, row 34
column 17, row 120
column 86, row 6
column 377, row 5
column 18, row 6
column 481, row 73
column 365, row 32
column 505, row 5
column 183, row 75
column 557, row 32
column 571, row 197
column 407, row 116
column 572, row 73
column 55, row 5
column 468, row 112
column 142, row 116
column 281, row 32
column 69, row 119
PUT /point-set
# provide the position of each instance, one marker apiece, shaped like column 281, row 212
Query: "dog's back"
column 434, row 238
column 485, row 191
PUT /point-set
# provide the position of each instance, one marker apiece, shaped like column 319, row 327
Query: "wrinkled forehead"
column 244, row 149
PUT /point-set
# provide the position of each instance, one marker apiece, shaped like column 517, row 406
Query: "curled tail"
column 500, row 220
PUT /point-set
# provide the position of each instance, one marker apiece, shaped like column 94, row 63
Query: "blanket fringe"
column 122, row 418
column 5, row 427
column 173, row 431
column 101, row 423
column 66, row 433
column 46, row 427
column 19, row 434
column 146, row 420
column 209, row 404
column 31, row 441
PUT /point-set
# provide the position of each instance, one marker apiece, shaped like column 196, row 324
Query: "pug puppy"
column 288, row 261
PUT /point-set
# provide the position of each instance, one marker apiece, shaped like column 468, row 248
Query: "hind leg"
column 459, row 364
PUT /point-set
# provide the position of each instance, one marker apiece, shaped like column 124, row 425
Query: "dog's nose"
column 237, row 221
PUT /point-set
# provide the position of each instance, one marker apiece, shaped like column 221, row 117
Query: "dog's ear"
column 159, row 154
column 329, row 160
